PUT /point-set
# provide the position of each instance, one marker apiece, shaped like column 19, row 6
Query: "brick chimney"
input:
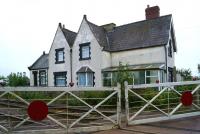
column 152, row 12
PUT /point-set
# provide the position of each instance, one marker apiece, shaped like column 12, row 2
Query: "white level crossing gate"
column 163, row 101
column 69, row 109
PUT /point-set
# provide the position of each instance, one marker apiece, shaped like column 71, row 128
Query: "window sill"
column 59, row 62
column 89, row 58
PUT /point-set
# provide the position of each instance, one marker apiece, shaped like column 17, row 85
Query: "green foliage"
column 123, row 74
column 2, row 77
column 18, row 79
column 185, row 73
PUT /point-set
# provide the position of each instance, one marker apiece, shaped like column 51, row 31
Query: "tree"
column 2, row 77
column 123, row 74
column 185, row 73
column 19, row 79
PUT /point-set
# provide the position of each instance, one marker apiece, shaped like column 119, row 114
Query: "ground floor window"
column 152, row 76
column 107, row 79
column 42, row 78
column 86, row 79
column 138, row 77
column 60, row 78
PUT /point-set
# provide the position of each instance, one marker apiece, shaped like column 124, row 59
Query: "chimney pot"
column 85, row 16
column 152, row 12
column 60, row 25
column 43, row 52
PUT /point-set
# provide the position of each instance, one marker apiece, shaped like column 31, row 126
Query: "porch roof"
column 85, row 69
column 138, row 67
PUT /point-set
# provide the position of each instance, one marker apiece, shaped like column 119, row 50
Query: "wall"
column 95, row 63
column 59, row 42
column 139, row 56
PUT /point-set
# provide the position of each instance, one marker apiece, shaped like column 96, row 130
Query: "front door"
column 35, row 78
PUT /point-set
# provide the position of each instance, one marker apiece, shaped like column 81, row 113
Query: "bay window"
column 85, row 79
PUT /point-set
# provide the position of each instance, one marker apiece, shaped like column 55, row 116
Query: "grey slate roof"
column 137, row 67
column 141, row 34
column 69, row 35
column 41, row 63
column 99, row 33
column 84, row 70
column 147, row 33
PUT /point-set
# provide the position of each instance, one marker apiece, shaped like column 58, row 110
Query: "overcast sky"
column 27, row 27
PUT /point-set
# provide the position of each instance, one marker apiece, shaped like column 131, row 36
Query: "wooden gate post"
column 119, row 105
column 126, row 102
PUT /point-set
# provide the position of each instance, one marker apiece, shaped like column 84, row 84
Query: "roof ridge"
column 143, row 20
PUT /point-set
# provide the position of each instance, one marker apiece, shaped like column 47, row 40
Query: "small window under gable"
column 59, row 53
column 84, row 51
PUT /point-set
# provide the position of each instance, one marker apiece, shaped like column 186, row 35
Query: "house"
column 91, row 56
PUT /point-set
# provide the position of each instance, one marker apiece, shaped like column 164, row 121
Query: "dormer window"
column 84, row 51
column 60, row 56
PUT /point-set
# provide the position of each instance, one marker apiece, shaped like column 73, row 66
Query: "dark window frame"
column 45, row 77
column 56, row 55
column 80, row 51
column 59, row 74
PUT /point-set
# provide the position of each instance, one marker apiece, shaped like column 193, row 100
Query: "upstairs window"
column 60, row 56
column 84, row 51
column 170, row 49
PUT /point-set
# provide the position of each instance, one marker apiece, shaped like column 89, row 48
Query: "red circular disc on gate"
column 37, row 110
column 186, row 98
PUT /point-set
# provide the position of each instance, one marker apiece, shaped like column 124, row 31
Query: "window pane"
column 151, row 80
column 60, row 56
column 152, row 73
column 81, row 79
column 107, row 79
column 89, row 79
column 42, row 78
column 85, row 52
column 139, row 77
column 60, row 80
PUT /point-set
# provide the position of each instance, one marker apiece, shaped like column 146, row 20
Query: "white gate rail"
column 67, row 108
column 160, row 101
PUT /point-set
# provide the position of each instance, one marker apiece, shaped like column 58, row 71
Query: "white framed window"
column 86, row 79
column 151, row 76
